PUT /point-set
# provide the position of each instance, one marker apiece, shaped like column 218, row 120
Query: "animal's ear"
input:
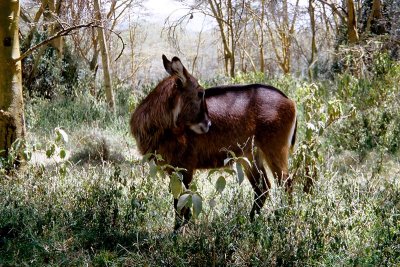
column 178, row 69
column 175, row 67
column 167, row 64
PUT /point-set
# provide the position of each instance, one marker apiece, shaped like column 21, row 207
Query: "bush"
column 374, row 122
column 120, row 212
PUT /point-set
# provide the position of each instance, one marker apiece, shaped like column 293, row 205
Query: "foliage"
column 374, row 124
column 47, row 75
column 372, row 58
column 110, row 212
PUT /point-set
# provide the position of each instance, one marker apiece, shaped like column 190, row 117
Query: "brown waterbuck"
column 193, row 128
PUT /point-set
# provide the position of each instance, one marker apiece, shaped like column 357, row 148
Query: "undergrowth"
column 99, row 208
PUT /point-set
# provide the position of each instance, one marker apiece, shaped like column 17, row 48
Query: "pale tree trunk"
column 311, row 11
column 232, row 35
column 258, row 31
column 229, row 58
column 351, row 23
column 281, row 35
column 57, row 43
column 104, row 59
column 261, row 40
column 12, row 123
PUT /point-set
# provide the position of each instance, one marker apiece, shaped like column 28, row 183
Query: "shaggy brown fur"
column 256, row 121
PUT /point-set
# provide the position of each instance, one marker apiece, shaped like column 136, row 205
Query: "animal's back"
column 237, row 114
column 234, row 107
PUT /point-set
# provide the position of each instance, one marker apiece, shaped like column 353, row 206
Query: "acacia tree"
column 347, row 15
column 229, row 18
column 311, row 12
column 258, row 19
column 12, row 125
column 105, row 58
column 281, row 28
column 352, row 22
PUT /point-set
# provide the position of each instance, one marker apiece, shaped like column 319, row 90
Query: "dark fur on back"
column 218, row 90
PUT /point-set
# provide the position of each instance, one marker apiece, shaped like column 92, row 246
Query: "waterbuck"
column 193, row 128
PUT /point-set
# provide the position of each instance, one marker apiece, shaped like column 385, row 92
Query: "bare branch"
column 60, row 33
column 335, row 9
column 65, row 32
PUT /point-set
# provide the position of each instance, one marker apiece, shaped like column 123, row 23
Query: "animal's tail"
column 293, row 137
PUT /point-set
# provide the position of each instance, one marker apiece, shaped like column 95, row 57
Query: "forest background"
column 75, row 191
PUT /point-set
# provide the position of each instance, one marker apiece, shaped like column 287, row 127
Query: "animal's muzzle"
column 201, row 127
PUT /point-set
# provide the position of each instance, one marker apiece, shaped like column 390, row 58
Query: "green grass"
column 113, row 211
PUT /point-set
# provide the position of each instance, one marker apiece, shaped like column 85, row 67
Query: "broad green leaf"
column 197, row 204
column 63, row 170
column 183, row 200
column 193, row 187
column 220, row 184
column 146, row 157
column 63, row 153
column 243, row 160
column 211, row 172
column 226, row 161
column 50, row 151
column 176, row 185
column 153, row 169
column 240, row 173
column 229, row 171
column 61, row 135
column 212, row 203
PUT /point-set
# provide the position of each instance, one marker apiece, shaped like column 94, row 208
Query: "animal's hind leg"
column 183, row 216
column 259, row 182
column 277, row 160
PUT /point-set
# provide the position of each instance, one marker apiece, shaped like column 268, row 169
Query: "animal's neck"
column 154, row 118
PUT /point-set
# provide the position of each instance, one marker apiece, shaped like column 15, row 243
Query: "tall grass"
column 107, row 211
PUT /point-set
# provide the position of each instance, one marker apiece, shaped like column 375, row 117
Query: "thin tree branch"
column 65, row 32
column 58, row 34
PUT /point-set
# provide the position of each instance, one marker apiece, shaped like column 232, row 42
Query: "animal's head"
column 189, row 107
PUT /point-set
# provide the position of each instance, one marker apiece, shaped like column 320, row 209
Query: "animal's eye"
column 200, row 94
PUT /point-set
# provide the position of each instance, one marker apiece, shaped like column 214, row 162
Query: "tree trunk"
column 374, row 20
column 12, row 123
column 351, row 23
column 104, row 59
column 232, row 35
column 261, row 41
column 228, row 53
column 57, row 43
column 311, row 11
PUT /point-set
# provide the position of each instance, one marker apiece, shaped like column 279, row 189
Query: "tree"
column 225, row 14
column 281, row 28
column 105, row 58
column 229, row 16
column 311, row 12
column 12, row 123
column 347, row 16
column 352, row 23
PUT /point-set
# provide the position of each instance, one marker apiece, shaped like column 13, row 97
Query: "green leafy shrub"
column 120, row 212
column 374, row 123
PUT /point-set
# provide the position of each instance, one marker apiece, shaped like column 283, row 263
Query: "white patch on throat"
column 176, row 111
column 196, row 128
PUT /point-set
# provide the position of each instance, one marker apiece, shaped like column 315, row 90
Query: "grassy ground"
column 100, row 205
